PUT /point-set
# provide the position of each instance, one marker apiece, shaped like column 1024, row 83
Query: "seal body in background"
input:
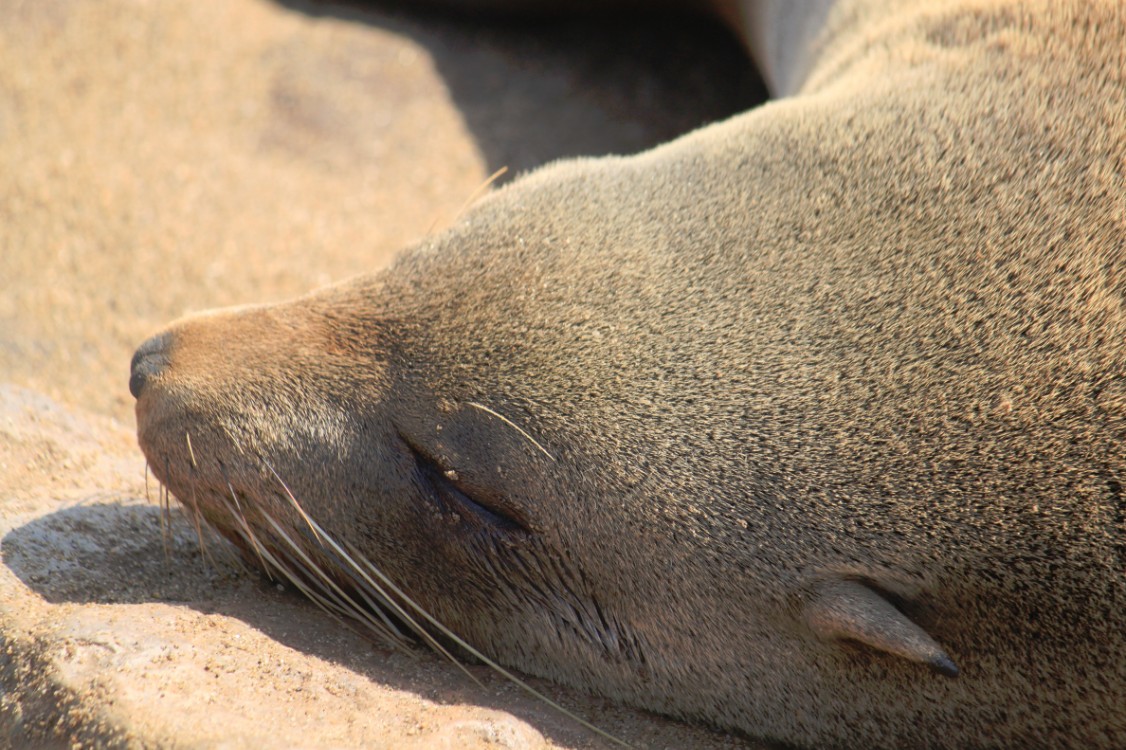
column 808, row 424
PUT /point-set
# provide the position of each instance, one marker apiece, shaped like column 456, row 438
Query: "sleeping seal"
column 808, row 424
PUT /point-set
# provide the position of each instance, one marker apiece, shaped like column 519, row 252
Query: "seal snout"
column 150, row 359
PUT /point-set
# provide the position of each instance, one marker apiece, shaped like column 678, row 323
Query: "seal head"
column 779, row 426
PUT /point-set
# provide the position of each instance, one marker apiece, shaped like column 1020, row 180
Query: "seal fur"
column 784, row 423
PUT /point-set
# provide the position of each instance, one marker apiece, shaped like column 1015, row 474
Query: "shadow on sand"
column 535, row 90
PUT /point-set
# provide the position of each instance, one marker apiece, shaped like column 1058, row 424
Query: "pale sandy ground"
column 159, row 157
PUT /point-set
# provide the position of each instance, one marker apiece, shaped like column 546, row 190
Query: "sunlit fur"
column 627, row 422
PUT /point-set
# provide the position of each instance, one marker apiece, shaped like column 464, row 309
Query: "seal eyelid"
column 448, row 492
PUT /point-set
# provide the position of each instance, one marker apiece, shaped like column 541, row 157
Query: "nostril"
column 149, row 360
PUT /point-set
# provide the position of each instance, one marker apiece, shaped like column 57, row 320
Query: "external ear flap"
column 850, row 610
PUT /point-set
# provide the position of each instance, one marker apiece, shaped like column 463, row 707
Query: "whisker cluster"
column 346, row 585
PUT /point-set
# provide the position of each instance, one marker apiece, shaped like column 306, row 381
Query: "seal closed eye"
column 441, row 487
column 806, row 425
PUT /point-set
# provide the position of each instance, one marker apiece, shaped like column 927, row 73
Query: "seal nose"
column 150, row 359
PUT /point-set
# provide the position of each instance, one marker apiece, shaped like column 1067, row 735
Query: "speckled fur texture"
column 628, row 421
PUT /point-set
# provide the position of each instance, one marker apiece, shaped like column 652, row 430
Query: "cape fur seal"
column 808, row 424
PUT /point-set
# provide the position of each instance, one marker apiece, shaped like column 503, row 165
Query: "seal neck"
column 780, row 36
column 801, row 46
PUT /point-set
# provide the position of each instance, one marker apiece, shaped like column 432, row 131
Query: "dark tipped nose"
column 150, row 359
